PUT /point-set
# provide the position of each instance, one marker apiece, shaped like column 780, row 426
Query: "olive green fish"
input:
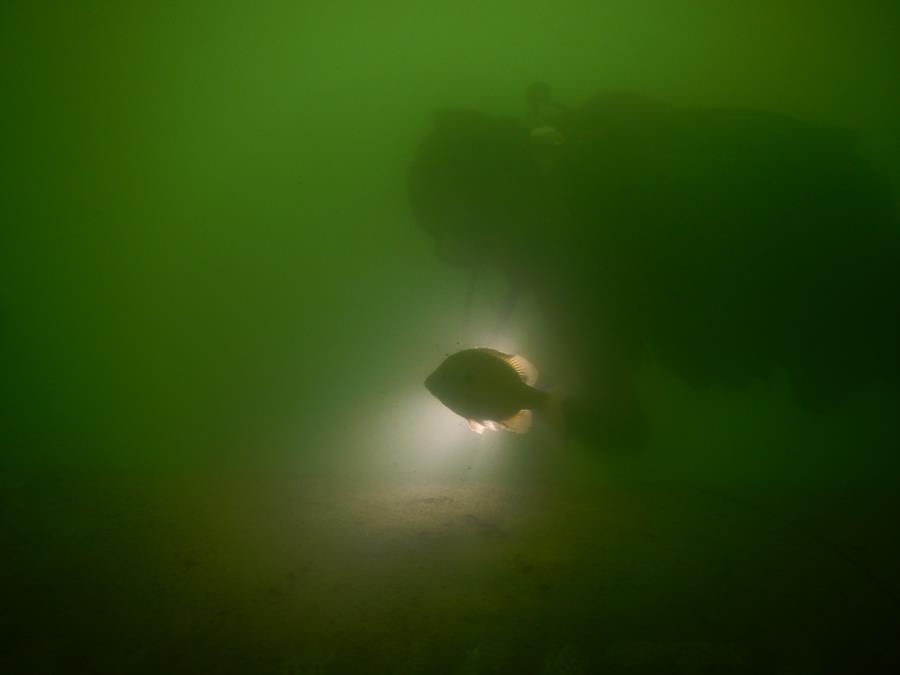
column 490, row 389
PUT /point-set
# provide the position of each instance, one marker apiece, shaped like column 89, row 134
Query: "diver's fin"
column 519, row 423
column 520, row 364
column 477, row 427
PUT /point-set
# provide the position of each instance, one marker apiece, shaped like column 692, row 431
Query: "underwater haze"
column 238, row 237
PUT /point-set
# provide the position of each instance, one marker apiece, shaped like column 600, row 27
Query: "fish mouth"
column 429, row 383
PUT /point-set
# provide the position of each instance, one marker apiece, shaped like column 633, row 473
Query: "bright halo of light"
column 405, row 432
column 411, row 434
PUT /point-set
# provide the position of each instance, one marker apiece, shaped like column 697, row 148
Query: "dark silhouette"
column 727, row 243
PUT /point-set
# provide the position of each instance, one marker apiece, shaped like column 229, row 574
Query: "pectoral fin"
column 477, row 427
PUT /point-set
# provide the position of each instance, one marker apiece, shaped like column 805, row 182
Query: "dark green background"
column 216, row 315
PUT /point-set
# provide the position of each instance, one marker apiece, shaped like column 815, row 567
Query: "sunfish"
column 491, row 390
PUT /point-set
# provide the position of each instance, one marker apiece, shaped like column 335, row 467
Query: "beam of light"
column 419, row 435
column 398, row 430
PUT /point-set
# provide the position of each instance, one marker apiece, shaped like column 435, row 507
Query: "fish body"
column 488, row 388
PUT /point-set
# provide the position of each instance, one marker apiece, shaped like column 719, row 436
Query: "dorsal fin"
column 519, row 423
column 525, row 368
column 520, row 364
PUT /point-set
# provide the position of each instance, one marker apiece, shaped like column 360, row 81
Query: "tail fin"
column 554, row 409
column 596, row 423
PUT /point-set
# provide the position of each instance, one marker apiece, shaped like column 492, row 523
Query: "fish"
column 491, row 390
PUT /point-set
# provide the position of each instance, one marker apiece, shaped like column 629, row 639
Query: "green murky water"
column 218, row 307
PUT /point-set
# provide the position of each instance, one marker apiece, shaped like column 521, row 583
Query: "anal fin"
column 520, row 423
